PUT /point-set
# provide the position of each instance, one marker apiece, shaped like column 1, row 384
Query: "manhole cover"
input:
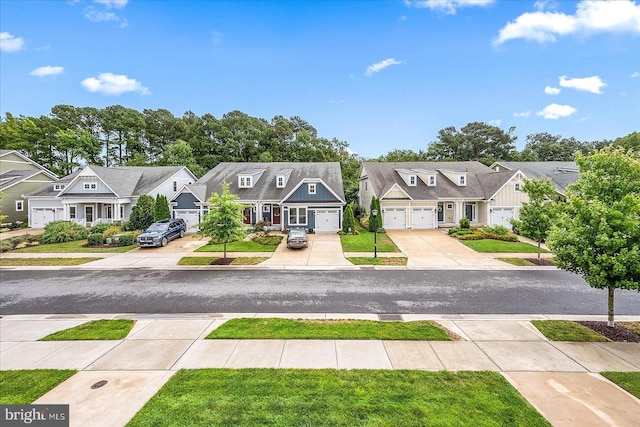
column 390, row 317
column 99, row 384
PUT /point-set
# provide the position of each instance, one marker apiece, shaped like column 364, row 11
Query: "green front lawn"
column 301, row 397
column 240, row 246
column 75, row 246
column 21, row 262
column 566, row 330
column 520, row 262
column 244, row 328
column 378, row 261
column 115, row 329
column 489, row 245
column 207, row 260
column 629, row 381
column 363, row 242
column 23, row 387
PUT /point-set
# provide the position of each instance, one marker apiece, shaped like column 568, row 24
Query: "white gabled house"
column 283, row 194
column 98, row 194
column 423, row 195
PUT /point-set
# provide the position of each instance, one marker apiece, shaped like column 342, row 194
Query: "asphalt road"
column 365, row 291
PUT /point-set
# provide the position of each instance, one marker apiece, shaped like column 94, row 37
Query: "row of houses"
column 413, row 195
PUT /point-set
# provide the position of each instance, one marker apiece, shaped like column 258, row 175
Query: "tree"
column 598, row 233
column 224, row 222
column 161, row 208
column 2, row 217
column 142, row 213
column 544, row 147
column 375, row 204
column 536, row 217
column 348, row 221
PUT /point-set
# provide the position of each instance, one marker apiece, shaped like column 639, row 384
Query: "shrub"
column 261, row 226
column 348, row 221
column 142, row 213
column 95, row 239
column 273, row 240
column 5, row 246
column 100, row 228
column 498, row 229
column 63, row 231
column 111, row 231
column 364, row 221
column 161, row 208
column 126, row 239
column 465, row 223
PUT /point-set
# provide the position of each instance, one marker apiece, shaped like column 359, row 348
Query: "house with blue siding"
column 282, row 194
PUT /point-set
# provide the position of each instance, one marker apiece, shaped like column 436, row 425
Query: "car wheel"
column 181, row 234
column 164, row 242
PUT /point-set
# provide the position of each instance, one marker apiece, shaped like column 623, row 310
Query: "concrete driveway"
column 324, row 250
column 434, row 248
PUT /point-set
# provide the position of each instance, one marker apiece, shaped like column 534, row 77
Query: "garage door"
column 41, row 217
column 501, row 216
column 190, row 217
column 327, row 220
column 422, row 218
column 394, row 219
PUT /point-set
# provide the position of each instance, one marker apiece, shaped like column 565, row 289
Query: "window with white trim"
column 19, row 205
column 462, row 180
column 412, row 180
column 517, row 186
column 244, row 182
column 58, row 187
column 72, row 212
column 266, row 208
column 90, row 186
column 280, row 181
column 297, row 216
column 432, row 180
column 312, row 189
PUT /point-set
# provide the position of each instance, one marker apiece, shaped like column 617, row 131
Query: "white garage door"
column 41, row 217
column 422, row 218
column 394, row 219
column 501, row 216
column 190, row 217
column 327, row 220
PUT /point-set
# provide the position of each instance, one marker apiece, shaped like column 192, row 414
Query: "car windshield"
column 157, row 227
column 297, row 233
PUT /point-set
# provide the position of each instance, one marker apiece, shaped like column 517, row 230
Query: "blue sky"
column 378, row 74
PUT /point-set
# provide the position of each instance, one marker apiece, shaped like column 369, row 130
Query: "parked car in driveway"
column 297, row 238
column 162, row 232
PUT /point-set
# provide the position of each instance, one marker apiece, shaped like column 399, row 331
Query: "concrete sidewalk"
column 560, row 379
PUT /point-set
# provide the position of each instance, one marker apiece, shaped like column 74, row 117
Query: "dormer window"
column 412, row 180
column 517, row 186
column 58, row 187
column 90, row 186
column 312, row 189
column 462, row 180
column 280, row 181
column 245, row 182
column 432, row 180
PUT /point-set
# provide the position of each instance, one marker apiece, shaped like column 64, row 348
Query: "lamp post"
column 374, row 212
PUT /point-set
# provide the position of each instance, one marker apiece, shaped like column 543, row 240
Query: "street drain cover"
column 99, row 384
column 390, row 317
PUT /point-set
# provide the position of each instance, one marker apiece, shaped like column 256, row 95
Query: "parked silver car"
column 297, row 238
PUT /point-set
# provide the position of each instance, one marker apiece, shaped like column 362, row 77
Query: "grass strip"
column 241, row 246
column 499, row 246
column 24, row 386
column 207, row 260
column 566, row 330
column 632, row 326
column 22, row 262
column 629, row 381
column 364, row 241
column 520, row 262
column 378, row 261
column 287, row 397
column 275, row 328
column 115, row 329
column 72, row 247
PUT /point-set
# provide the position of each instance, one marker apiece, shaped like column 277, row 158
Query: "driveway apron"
column 433, row 248
column 324, row 250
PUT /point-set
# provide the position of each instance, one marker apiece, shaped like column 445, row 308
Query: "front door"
column 468, row 211
column 108, row 211
column 276, row 215
column 88, row 214
column 247, row 215
column 440, row 212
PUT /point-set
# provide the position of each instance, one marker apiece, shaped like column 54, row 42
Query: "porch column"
column 458, row 213
column 258, row 212
column 116, row 214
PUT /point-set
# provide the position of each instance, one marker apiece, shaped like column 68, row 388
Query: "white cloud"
column 523, row 114
column 555, row 111
column 381, row 66
column 95, row 16
column 551, row 90
column 47, row 71
column 635, row 74
column 496, row 122
column 448, row 7
column 10, row 43
column 590, row 17
column 114, row 84
column 591, row 84
column 116, row 4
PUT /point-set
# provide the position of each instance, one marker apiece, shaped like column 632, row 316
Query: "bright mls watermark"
column 35, row 415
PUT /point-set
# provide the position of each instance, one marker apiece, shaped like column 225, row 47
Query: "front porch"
column 270, row 213
column 449, row 213
column 90, row 214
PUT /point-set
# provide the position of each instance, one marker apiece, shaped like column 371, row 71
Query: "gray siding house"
column 283, row 194
column 561, row 173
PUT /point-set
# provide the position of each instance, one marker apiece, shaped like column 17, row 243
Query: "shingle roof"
column 265, row 187
column 48, row 191
column 12, row 177
column 482, row 181
column 561, row 173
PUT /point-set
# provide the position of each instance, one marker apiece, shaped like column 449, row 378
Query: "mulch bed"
column 222, row 261
column 541, row 261
column 617, row 333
